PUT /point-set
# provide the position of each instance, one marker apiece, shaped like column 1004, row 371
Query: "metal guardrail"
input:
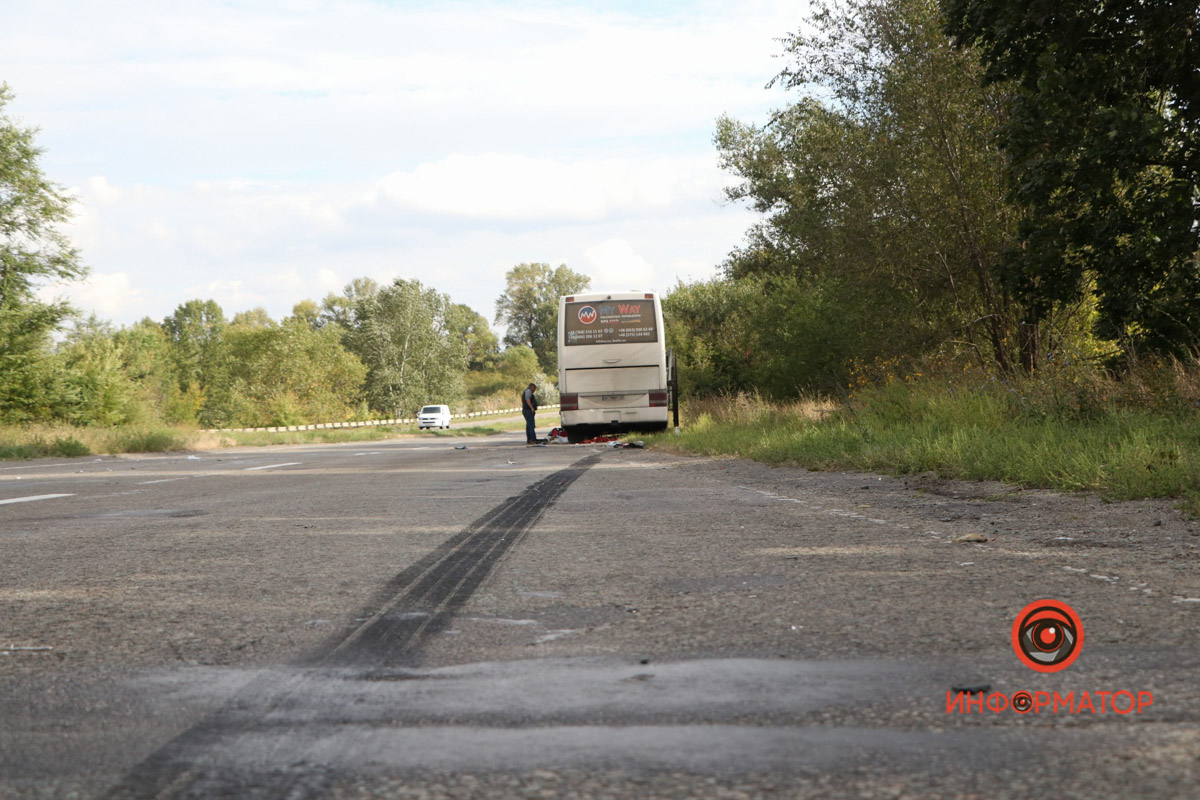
column 370, row 423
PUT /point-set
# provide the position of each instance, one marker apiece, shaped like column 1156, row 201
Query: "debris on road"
column 971, row 537
column 971, row 688
column 12, row 648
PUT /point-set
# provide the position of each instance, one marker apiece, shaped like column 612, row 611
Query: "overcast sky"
column 260, row 153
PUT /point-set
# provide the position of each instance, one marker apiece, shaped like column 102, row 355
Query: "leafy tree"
column 483, row 346
column 146, row 359
column 404, row 334
column 32, row 250
column 92, row 386
column 711, row 330
column 255, row 317
column 519, row 366
column 778, row 336
column 291, row 374
column 1103, row 142
column 529, row 307
column 25, row 377
column 882, row 189
column 340, row 309
column 195, row 333
column 307, row 312
column 500, row 385
column 194, row 330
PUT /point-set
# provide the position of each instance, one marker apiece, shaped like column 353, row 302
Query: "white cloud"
column 263, row 152
column 107, row 295
column 101, row 191
column 613, row 264
column 514, row 187
column 289, row 279
column 691, row 270
column 328, row 280
column 273, row 246
column 231, row 295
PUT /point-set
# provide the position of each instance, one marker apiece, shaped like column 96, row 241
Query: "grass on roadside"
column 65, row 441
column 41, row 441
column 335, row 435
column 926, row 427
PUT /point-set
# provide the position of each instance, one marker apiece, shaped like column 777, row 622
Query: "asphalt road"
column 407, row 619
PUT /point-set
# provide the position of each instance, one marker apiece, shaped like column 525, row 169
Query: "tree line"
column 979, row 183
column 1002, row 184
column 372, row 351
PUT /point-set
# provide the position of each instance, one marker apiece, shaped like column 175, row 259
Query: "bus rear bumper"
column 615, row 416
column 583, row 425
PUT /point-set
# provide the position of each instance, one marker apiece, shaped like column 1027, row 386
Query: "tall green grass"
column 38, row 447
column 968, row 432
column 48, row 440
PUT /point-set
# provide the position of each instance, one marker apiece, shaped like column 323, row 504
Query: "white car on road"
column 433, row 417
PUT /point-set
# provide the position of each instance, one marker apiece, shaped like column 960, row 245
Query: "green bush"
column 69, row 447
column 38, row 447
column 19, row 452
column 151, row 440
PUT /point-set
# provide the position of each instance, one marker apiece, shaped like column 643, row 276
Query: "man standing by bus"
column 529, row 408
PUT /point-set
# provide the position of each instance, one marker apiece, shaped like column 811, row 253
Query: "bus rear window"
column 610, row 322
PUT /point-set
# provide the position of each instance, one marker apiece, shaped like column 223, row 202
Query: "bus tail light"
column 658, row 399
column 570, row 402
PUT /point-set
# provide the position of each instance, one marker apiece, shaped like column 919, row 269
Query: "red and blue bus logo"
column 587, row 315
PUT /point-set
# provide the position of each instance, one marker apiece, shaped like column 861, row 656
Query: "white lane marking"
column 31, row 498
column 38, row 466
column 120, row 460
column 372, row 453
column 274, row 466
column 180, row 478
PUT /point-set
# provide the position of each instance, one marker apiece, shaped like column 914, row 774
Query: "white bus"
column 613, row 372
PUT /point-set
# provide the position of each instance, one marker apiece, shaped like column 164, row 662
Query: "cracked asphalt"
column 405, row 620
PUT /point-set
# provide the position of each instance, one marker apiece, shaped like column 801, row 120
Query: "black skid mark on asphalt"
column 422, row 600
column 414, row 605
